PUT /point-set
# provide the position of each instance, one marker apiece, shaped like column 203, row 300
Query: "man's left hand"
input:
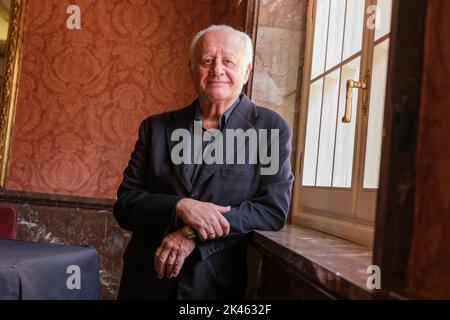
column 170, row 255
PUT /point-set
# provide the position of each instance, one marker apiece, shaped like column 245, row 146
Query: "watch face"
column 188, row 232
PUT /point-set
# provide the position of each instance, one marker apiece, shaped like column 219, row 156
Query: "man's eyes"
column 209, row 62
column 229, row 62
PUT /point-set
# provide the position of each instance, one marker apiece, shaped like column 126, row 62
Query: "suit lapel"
column 241, row 118
column 182, row 119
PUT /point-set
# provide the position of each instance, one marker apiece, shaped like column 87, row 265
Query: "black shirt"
column 192, row 170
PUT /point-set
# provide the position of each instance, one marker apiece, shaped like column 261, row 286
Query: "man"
column 190, row 221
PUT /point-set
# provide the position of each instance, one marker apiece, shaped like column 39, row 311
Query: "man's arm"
column 268, row 210
column 136, row 209
column 155, row 214
column 205, row 217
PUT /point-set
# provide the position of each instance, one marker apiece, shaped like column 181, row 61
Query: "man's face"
column 217, row 69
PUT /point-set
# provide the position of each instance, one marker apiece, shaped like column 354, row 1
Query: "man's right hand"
column 205, row 217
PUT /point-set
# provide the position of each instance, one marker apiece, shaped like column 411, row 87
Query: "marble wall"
column 279, row 56
column 64, row 221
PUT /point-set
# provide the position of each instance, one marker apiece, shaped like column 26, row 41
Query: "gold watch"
column 188, row 232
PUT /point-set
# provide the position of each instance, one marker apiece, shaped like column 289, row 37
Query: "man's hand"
column 170, row 255
column 205, row 217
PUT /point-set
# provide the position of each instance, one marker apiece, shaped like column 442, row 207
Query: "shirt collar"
column 223, row 118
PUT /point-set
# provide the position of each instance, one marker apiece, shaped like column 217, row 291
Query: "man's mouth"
column 216, row 82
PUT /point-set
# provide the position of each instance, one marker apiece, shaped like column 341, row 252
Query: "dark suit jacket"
column 152, row 185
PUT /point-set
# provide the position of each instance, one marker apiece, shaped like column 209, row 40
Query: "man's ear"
column 192, row 73
column 248, row 69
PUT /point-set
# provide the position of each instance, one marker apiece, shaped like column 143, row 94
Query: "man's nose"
column 217, row 68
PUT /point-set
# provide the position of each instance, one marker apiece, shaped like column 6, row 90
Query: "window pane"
column 345, row 132
column 320, row 38
column 335, row 33
column 383, row 19
column 328, row 129
column 353, row 27
column 312, row 133
column 376, row 113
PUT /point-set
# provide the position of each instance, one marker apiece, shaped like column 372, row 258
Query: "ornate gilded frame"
column 11, row 82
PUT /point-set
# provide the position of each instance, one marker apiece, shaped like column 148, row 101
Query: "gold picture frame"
column 10, row 82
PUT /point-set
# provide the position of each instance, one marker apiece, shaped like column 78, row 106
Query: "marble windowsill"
column 337, row 264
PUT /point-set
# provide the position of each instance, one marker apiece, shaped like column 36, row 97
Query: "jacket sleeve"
column 268, row 210
column 137, row 210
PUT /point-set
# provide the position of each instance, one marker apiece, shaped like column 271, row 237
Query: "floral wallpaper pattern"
column 83, row 93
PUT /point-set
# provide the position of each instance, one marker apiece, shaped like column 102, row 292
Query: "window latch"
column 351, row 84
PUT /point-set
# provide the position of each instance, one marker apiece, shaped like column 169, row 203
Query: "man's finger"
column 225, row 225
column 217, row 229
column 177, row 266
column 170, row 263
column 160, row 260
column 222, row 209
column 202, row 233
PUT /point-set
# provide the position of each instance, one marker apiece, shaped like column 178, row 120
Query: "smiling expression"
column 217, row 68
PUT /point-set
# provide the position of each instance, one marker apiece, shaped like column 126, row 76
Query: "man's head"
column 221, row 60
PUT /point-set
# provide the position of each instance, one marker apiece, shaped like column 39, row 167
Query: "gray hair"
column 248, row 46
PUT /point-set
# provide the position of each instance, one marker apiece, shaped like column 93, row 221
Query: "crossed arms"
column 160, row 214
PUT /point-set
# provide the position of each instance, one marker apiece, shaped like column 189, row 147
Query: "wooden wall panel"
column 396, row 193
column 429, row 267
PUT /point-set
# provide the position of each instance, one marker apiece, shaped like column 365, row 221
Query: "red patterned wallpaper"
column 84, row 92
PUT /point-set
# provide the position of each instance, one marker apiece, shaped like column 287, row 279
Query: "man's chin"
column 217, row 96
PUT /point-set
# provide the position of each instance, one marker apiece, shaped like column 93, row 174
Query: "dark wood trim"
column 298, row 102
column 251, row 28
column 55, row 200
column 396, row 195
column 265, row 255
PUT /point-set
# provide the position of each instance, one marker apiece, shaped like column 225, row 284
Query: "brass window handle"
column 348, row 98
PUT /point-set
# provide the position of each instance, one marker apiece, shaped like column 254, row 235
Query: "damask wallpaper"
column 83, row 93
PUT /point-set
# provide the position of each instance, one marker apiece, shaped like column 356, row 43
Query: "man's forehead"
column 227, row 41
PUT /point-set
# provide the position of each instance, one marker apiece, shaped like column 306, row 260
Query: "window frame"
column 357, row 229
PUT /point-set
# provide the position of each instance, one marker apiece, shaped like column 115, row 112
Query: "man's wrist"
column 178, row 204
column 189, row 233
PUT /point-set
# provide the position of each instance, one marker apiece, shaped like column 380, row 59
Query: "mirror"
column 12, row 16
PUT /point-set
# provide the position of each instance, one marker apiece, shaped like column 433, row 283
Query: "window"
column 339, row 159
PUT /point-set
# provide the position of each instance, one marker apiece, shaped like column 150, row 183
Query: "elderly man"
column 190, row 220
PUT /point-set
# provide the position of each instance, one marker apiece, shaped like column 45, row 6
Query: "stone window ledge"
column 337, row 265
